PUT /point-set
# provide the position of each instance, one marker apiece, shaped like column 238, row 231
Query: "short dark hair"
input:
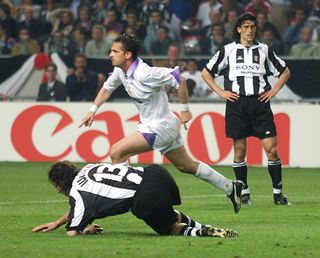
column 62, row 174
column 129, row 44
column 51, row 65
column 247, row 16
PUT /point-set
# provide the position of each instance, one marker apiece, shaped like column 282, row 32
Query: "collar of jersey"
column 254, row 45
column 133, row 67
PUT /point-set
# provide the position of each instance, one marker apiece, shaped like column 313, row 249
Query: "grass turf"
column 265, row 230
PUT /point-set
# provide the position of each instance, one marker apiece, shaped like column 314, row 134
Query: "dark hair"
column 62, row 174
column 5, row 8
column 247, row 16
column 51, row 65
column 129, row 44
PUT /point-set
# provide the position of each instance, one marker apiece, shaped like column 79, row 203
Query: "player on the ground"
column 245, row 65
column 159, row 128
column 102, row 190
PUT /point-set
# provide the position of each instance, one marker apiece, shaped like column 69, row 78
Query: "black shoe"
column 218, row 232
column 235, row 195
column 246, row 199
column 281, row 199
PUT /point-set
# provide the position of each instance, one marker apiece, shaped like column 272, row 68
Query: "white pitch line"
column 33, row 202
column 65, row 201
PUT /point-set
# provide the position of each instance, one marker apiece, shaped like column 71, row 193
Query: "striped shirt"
column 101, row 190
column 245, row 69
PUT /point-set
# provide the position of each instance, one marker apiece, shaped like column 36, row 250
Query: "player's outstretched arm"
column 185, row 114
column 47, row 227
column 102, row 97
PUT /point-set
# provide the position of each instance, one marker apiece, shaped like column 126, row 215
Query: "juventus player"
column 159, row 128
column 102, row 190
column 245, row 65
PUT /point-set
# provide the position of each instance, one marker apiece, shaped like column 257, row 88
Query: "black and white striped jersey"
column 245, row 69
column 101, row 190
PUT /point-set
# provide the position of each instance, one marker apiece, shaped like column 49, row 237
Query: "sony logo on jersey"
column 251, row 67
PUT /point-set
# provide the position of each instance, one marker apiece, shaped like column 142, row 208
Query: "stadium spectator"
column 34, row 26
column 200, row 89
column 60, row 44
column 79, row 40
column 45, row 13
column 248, row 94
column 122, row 6
column 215, row 41
column 155, row 22
column 305, row 48
column 25, row 45
column 257, row 6
column 147, row 6
column 99, row 10
column 314, row 16
column 81, row 83
column 52, row 90
column 149, row 193
column 274, row 44
column 6, row 43
column 46, row 10
column 232, row 18
column 215, row 18
column 101, row 78
column 181, row 10
column 113, row 24
column 291, row 34
column 62, row 20
column 84, row 19
column 264, row 24
column 3, row 97
column 204, row 9
column 8, row 22
column 75, row 5
column 161, row 44
column 230, row 5
column 157, row 130
column 98, row 45
column 280, row 13
column 36, row 8
column 132, row 22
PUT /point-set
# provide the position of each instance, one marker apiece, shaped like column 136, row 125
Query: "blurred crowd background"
column 196, row 27
column 171, row 32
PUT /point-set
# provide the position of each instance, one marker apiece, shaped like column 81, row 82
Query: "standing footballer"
column 245, row 65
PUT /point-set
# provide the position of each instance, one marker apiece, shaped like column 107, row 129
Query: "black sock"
column 241, row 170
column 190, row 222
column 275, row 171
column 190, row 231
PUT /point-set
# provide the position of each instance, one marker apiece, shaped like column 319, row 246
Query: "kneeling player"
column 101, row 190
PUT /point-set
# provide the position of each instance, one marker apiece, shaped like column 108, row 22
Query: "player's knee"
column 115, row 154
column 272, row 153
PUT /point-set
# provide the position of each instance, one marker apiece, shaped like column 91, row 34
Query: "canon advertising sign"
column 50, row 132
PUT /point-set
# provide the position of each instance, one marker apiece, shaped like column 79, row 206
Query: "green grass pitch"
column 265, row 230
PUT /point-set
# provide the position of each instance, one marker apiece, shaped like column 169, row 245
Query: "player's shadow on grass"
column 130, row 234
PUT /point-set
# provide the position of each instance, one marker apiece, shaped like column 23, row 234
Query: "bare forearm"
column 282, row 80
column 207, row 77
column 183, row 92
column 102, row 97
column 62, row 220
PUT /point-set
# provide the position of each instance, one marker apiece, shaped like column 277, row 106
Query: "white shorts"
column 163, row 142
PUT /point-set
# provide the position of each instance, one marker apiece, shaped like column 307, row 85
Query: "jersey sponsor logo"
column 248, row 69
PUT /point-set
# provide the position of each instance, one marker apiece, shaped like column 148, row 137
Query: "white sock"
column 208, row 174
